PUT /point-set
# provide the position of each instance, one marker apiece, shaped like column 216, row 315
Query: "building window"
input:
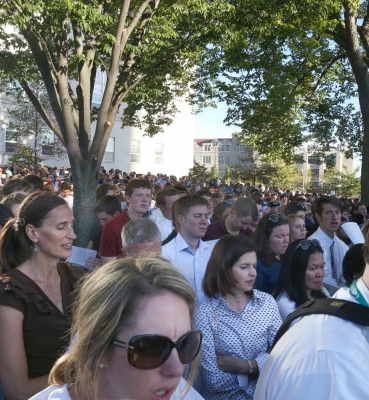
column 109, row 154
column 48, row 144
column 10, row 140
column 97, row 94
column 227, row 159
column 242, row 160
column 221, row 159
column 206, row 159
column 314, row 160
column 242, row 147
column 225, row 147
column 315, row 172
column 206, row 147
column 159, row 149
column 331, row 160
column 135, row 151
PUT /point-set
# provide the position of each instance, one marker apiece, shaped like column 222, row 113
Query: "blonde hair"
column 109, row 299
column 292, row 218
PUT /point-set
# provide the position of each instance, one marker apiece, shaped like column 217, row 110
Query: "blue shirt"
column 267, row 277
column 246, row 335
column 191, row 265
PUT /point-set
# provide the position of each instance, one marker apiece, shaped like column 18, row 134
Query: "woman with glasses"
column 271, row 239
column 301, row 277
column 238, row 323
column 133, row 336
column 297, row 227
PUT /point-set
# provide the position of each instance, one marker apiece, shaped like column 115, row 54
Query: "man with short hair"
column 162, row 216
column 243, row 213
column 187, row 252
column 16, row 186
column 141, row 236
column 138, row 196
column 322, row 356
column 328, row 215
column 64, row 189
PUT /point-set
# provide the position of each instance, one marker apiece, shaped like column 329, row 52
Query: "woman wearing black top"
column 36, row 292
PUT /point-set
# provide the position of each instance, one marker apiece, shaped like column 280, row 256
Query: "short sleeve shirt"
column 45, row 327
column 111, row 239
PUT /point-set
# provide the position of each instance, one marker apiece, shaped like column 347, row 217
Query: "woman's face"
column 279, row 239
column 166, row 315
column 244, row 273
column 297, row 230
column 55, row 236
column 225, row 212
column 315, row 272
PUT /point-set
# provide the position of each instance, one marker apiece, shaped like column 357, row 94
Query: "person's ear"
column 180, row 219
column 32, row 233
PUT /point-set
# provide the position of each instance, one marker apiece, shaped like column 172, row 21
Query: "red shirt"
column 218, row 229
column 111, row 239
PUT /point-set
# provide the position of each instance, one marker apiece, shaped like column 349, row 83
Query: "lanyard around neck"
column 355, row 292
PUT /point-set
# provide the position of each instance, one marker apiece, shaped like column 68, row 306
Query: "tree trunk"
column 360, row 70
column 84, row 200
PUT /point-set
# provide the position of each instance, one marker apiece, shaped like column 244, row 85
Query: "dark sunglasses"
column 306, row 243
column 151, row 351
column 276, row 217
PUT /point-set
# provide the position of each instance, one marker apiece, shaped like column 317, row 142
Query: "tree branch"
column 40, row 109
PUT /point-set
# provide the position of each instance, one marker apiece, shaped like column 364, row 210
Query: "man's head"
column 191, row 216
column 360, row 208
column 64, row 188
column 106, row 189
column 328, row 214
column 141, row 235
column 165, row 200
column 107, row 208
column 207, row 195
column 243, row 213
column 17, row 186
column 138, row 196
column 259, row 204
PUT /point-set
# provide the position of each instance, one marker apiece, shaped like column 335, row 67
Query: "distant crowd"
column 248, row 256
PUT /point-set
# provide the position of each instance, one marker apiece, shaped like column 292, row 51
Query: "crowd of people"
column 190, row 285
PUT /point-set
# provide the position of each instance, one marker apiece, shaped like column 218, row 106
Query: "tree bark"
column 360, row 70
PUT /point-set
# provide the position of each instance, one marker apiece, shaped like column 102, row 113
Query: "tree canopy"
column 149, row 50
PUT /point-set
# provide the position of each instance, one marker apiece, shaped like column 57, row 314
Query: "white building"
column 129, row 149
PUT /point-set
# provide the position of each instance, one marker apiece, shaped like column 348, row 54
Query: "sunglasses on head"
column 151, row 351
column 276, row 217
column 306, row 243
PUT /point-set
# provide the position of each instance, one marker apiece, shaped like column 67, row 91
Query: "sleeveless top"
column 45, row 327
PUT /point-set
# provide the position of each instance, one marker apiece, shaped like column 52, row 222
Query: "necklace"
column 58, row 302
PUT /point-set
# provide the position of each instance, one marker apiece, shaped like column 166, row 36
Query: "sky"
column 209, row 123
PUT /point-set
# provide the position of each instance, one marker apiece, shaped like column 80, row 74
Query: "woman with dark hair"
column 238, row 323
column 301, row 276
column 353, row 265
column 271, row 239
column 36, row 292
column 221, row 210
column 5, row 215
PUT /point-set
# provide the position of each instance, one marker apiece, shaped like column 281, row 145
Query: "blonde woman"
column 133, row 329
column 297, row 227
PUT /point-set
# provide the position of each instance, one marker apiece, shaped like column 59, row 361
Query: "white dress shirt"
column 191, row 266
column 340, row 249
column 320, row 357
column 285, row 305
column 62, row 393
column 165, row 226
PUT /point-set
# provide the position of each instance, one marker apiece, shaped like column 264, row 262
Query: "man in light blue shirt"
column 187, row 252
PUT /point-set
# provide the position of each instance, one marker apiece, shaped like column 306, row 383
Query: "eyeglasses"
column 276, row 217
column 151, row 351
column 305, row 244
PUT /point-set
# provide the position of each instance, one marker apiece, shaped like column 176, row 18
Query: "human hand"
column 232, row 365
column 93, row 262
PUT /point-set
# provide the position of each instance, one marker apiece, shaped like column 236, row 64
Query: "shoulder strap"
column 344, row 309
